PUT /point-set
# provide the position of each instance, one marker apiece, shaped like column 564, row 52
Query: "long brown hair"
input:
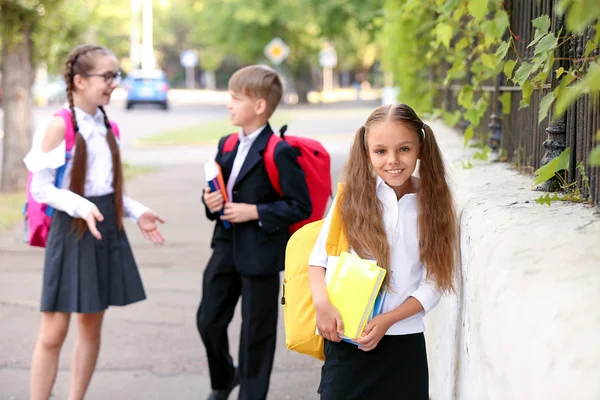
column 362, row 211
column 81, row 62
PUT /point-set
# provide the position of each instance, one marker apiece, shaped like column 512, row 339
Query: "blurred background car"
column 148, row 86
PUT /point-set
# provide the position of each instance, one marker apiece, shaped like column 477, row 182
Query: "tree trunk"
column 17, row 80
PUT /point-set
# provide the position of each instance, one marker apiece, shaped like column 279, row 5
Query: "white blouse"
column 99, row 172
column 407, row 270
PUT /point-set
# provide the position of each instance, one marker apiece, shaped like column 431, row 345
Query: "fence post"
column 495, row 125
column 556, row 141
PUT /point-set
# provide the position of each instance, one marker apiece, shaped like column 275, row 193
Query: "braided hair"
column 80, row 62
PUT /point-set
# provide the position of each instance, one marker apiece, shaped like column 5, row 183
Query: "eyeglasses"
column 109, row 77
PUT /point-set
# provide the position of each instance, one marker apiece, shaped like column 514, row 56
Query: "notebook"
column 212, row 173
column 353, row 286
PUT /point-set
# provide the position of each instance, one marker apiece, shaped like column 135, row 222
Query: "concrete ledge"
column 525, row 323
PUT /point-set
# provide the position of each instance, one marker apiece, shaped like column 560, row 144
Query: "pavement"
column 151, row 350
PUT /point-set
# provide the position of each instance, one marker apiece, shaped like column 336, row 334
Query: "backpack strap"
column 336, row 239
column 115, row 129
column 230, row 143
column 270, row 165
column 65, row 114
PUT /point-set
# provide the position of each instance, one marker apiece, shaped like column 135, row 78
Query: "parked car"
column 147, row 87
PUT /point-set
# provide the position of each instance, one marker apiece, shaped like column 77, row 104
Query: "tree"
column 31, row 31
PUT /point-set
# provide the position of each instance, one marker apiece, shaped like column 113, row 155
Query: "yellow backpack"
column 298, row 310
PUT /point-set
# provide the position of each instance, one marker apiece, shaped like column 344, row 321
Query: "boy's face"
column 245, row 110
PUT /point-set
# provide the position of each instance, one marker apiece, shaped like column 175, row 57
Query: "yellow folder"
column 353, row 287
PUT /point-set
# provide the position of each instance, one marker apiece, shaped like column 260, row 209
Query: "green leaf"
column 461, row 44
column 543, row 200
column 478, row 8
column 594, row 157
column 444, row 33
column 509, row 67
column 589, row 47
column 581, row 14
column 559, row 72
column 523, row 73
column 452, row 119
column 527, row 89
column 547, row 172
column 465, row 97
column 489, row 60
column 547, row 43
column 468, row 135
column 466, row 164
column 590, row 83
column 496, row 27
column 502, row 50
column 545, row 104
column 506, row 100
column 542, row 23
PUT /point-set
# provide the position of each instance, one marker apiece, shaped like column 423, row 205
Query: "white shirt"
column 407, row 270
column 246, row 142
column 99, row 171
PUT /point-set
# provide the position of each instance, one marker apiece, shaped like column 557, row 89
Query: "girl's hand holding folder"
column 373, row 332
column 329, row 321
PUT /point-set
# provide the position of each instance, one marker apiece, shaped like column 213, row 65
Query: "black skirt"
column 395, row 369
column 87, row 275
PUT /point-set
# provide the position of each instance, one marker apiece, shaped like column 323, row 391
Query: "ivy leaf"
column 502, row 50
column 594, row 157
column 523, row 73
column 478, row 8
column 489, row 60
column 527, row 89
column 506, row 101
column 579, row 15
column 590, row 83
column 589, row 47
column 452, row 118
column 548, row 43
column 559, row 72
column 468, row 135
column 542, row 23
column 461, row 44
column 496, row 27
column 444, row 33
column 465, row 97
column 547, row 172
column 509, row 67
column 545, row 104
column 543, row 200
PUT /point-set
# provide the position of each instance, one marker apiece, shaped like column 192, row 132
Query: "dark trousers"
column 221, row 288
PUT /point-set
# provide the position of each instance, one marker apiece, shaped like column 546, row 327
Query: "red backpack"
column 314, row 161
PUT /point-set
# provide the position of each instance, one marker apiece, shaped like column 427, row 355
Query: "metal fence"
column 518, row 135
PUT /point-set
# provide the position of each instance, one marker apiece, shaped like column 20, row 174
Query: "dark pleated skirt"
column 395, row 369
column 88, row 275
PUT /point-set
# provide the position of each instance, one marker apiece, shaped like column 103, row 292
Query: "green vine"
column 470, row 42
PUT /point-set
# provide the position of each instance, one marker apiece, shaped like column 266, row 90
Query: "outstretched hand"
column 148, row 225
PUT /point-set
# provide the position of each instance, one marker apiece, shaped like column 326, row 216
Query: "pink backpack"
column 38, row 217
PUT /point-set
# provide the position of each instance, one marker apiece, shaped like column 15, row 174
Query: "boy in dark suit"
column 248, row 257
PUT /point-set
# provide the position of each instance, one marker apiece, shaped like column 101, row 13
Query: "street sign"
column 189, row 59
column 277, row 51
column 328, row 57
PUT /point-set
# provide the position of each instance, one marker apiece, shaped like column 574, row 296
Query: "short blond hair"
column 258, row 82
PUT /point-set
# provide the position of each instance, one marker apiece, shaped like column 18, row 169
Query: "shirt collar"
column 251, row 137
column 381, row 185
column 90, row 123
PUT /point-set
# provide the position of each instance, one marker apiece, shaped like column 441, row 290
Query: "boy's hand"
column 213, row 200
column 373, row 332
column 240, row 212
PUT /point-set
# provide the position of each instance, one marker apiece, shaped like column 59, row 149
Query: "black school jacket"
column 260, row 249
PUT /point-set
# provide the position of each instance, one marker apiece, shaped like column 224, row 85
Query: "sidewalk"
column 150, row 350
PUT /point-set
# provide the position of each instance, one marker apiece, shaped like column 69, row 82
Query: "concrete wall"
column 525, row 323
